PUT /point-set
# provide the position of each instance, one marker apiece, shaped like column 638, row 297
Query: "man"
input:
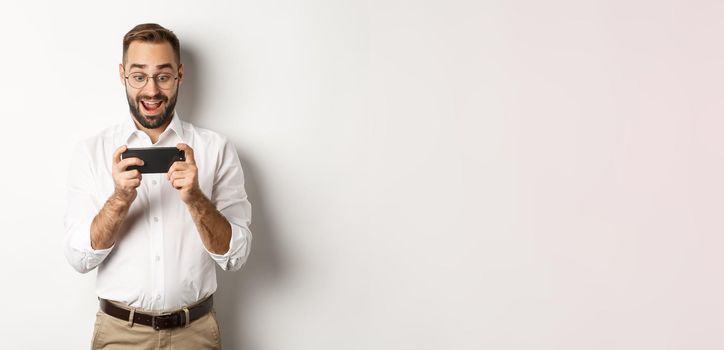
column 156, row 237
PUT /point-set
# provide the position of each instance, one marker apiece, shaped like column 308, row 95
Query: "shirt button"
column 154, row 182
column 155, row 218
column 158, row 258
column 158, row 297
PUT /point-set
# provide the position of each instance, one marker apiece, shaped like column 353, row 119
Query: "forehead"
column 150, row 54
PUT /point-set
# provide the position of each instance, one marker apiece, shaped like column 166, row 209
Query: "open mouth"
column 151, row 106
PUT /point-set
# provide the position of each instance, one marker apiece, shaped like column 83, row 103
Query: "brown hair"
column 151, row 32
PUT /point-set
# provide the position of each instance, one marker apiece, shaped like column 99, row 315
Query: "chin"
column 156, row 121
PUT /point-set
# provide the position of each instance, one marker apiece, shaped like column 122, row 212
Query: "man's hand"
column 105, row 225
column 214, row 229
column 184, row 176
column 126, row 181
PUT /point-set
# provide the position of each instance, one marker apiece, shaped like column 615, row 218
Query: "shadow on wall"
column 236, row 289
column 264, row 267
column 188, row 101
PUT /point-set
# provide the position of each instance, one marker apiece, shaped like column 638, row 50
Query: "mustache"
column 158, row 97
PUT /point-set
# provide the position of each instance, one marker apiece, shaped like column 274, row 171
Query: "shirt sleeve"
column 81, row 209
column 230, row 199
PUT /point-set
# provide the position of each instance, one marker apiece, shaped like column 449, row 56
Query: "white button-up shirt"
column 158, row 261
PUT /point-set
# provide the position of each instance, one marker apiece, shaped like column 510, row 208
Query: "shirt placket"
column 157, row 259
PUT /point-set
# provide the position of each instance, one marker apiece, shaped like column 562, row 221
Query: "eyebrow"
column 160, row 66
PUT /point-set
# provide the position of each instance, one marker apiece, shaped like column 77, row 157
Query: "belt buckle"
column 163, row 321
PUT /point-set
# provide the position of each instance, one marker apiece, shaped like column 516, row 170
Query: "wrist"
column 121, row 199
column 194, row 198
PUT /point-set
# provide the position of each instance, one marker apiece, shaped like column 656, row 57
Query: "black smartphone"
column 155, row 159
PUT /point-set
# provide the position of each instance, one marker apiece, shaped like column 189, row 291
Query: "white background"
column 424, row 174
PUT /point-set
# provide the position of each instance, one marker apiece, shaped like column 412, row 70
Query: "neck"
column 154, row 134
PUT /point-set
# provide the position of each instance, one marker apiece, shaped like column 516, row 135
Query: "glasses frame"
column 154, row 77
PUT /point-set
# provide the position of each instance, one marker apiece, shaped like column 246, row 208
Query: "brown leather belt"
column 179, row 318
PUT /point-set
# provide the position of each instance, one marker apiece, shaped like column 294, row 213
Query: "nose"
column 151, row 87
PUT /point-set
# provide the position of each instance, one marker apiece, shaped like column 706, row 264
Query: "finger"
column 117, row 154
column 122, row 165
column 189, row 152
column 177, row 175
column 131, row 174
column 134, row 183
column 177, row 166
column 178, row 183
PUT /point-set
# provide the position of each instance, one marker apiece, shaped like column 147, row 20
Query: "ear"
column 122, row 73
column 180, row 73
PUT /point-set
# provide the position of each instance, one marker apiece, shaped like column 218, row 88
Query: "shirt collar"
column 176, row 126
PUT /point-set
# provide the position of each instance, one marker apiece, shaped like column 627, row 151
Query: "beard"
column 152, row 121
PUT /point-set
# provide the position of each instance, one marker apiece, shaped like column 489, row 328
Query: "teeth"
column 151, row 104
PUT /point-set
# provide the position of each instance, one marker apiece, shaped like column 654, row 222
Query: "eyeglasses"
column 163, row 81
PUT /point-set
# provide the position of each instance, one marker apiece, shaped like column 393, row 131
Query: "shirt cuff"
column 236, row 255
column 81, row 243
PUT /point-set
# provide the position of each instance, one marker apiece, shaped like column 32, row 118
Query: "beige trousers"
column 111, row 333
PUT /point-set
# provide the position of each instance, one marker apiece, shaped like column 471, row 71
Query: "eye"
column 139, row 78
column 162, row 78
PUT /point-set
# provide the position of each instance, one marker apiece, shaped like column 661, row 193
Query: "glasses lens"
column 137, row 80
column 164, row 81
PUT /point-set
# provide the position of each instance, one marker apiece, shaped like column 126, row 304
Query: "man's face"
column 151, row 105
